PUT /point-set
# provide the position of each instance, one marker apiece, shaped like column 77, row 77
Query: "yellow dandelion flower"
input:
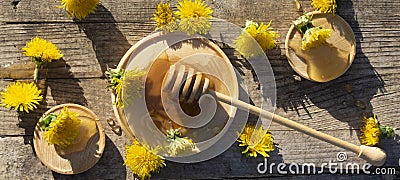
column 303, row 23
column 79, row 8
column 21, row 96
column 315, row 37
column 370, row 131
column 126, row 85
column 42, row 50
column 119, row 92
column 115, row 83
column 325, row 6
column 194, row 16
column 192, row 9
column 262, row 34
column 177, row 142
column 142, row 160
column 261, row 143
column 164, row 18
column 247, row 46
column 195, row 25
column 64, row 129
column 132, row 85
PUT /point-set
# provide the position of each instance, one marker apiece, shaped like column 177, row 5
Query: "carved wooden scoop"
column 192, row 85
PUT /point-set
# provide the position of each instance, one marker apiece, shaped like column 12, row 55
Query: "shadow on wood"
column 110, row 166
column 28, row 122
column 231, row 164
column 107, row 40
column 345, row 98
column 63, row 90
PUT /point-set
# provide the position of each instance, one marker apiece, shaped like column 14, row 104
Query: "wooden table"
column 101, row 40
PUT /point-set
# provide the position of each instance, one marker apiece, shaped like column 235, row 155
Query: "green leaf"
column 387, row 131
column 44, row 123
column 113, row 74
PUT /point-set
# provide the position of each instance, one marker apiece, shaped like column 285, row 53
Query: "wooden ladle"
column 191, row 85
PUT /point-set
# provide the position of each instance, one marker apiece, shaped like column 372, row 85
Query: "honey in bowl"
column 155, row 107
column 330, row 60
column 324, row 63
column 87, row 129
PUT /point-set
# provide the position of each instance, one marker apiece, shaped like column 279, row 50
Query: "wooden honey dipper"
column 190, row 86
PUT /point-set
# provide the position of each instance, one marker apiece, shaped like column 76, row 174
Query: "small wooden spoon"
column 192, row 85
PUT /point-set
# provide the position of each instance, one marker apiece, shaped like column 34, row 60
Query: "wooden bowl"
column 327, row 62
column 156, row 46
column 72, row 162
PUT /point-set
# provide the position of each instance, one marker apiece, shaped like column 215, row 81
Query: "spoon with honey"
column 191, row 85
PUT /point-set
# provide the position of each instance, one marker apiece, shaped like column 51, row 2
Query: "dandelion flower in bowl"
column 313, row 37
column 21, row 96
column 64, row 129
column 177, row 142
column 125, row 84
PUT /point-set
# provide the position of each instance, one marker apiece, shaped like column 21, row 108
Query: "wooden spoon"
column 192, row 85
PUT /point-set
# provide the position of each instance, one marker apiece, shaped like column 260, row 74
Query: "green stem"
column 39, row 64
column 36, row 74
column 306, row 27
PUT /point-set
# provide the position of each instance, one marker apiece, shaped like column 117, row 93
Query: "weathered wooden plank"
column 103, row 38
column 338, row 111
column 110, row 40
column 86, row 51
column 88, row 92
column 132, row 11
column 88, row 48
column 81, row 61
column 137, row 11
column 18, row 160
column 293, row 147
column 233, row 11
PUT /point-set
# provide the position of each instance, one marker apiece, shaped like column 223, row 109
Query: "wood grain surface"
column 101, row 40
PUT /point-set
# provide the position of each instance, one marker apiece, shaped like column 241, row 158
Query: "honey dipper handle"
column 373, row 155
